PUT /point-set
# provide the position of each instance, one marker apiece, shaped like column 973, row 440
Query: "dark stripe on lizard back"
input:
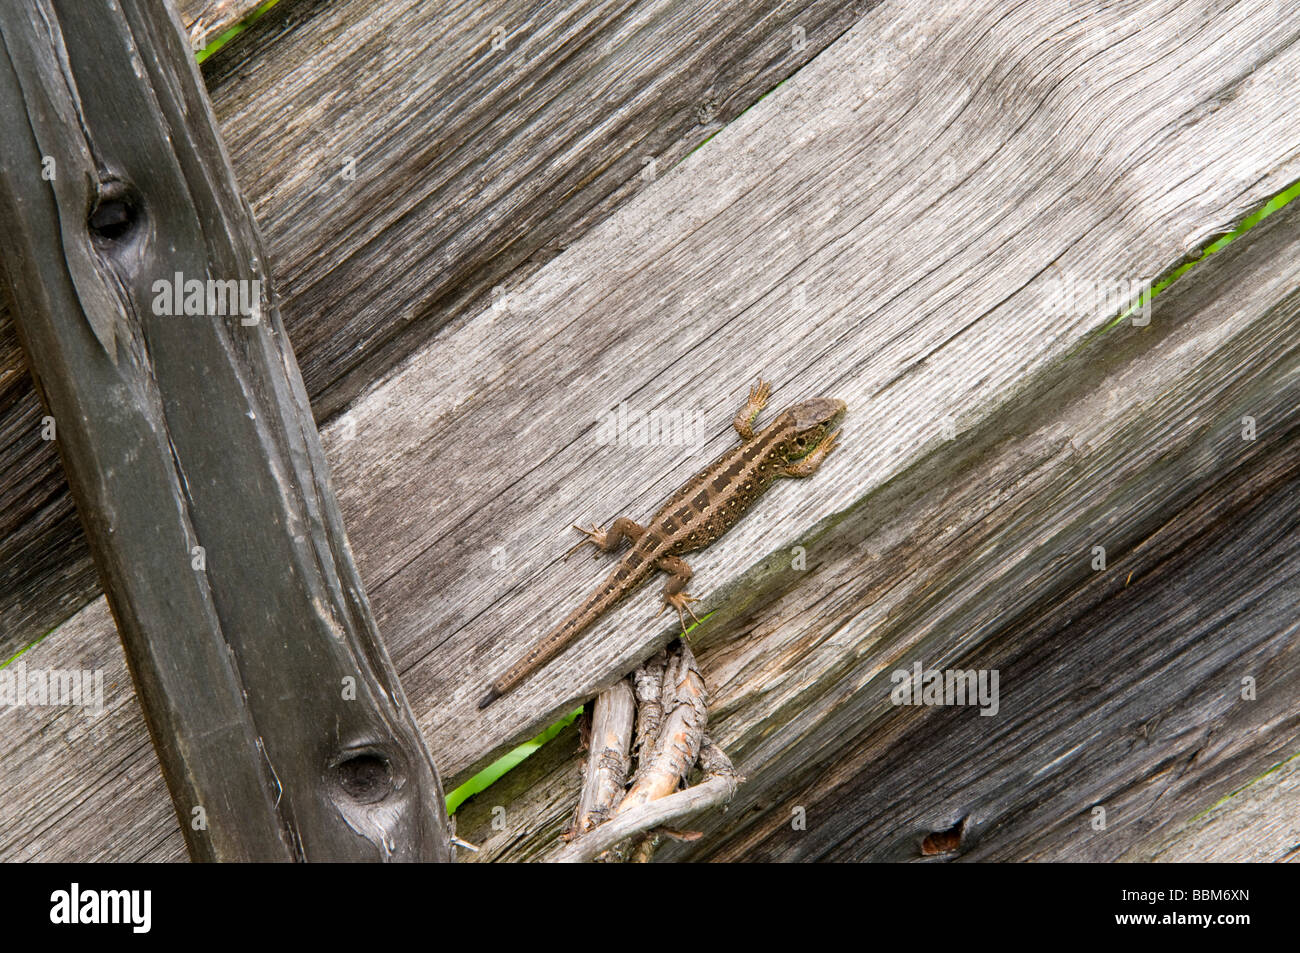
column 700, row 511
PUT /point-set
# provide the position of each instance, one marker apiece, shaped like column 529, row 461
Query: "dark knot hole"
column 116, row 211
column 944, row 842
column 366, row 778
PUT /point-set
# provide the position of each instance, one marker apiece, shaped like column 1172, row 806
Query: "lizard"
column 794, row 444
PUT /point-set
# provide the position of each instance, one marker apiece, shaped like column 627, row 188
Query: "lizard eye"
column 801, row 441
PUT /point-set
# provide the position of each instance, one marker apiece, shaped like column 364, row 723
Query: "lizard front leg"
column 744, row 422
column 679, row 575
column 611, row 539
column 809, row 464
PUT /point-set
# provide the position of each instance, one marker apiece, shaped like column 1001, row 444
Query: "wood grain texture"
column 473, row 166
column 1121, row 689
column 1129, row 704
column 884, row 227
column 694, row 286
column 117, row 810
column 205, row 20
column 1258, row 824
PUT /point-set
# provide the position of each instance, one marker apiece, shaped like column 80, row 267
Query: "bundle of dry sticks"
column 666, row 702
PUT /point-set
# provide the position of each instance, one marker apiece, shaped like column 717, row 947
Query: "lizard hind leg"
column 611, row 539
column 674, row 589
column 682, row 601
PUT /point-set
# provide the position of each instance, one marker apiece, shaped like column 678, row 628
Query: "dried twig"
column 670, row 703
column 607, row 757
column 718, row 787
column 714, row 762
column 685, row 706
column 648, row 684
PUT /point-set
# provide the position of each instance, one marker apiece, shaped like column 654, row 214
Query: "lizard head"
column 812, row 420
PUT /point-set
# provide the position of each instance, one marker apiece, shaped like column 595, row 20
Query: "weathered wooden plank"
column 1159, row 733
column 1120, row 689
column 192, row 453
column 114, row 810
column 1259, row 823
column 474, row 165
column 205, row 20
column 1133, row 706
column 942, row 323
column 995, row 161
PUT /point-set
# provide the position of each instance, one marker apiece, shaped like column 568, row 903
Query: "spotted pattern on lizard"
column 794, row 445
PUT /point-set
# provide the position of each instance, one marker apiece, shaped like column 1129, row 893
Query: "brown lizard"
column 709, row 504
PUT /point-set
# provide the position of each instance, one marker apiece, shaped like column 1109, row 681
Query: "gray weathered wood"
column 205, row 20
column 1121, row 689
column 190, row 448
column 608, row 756
column 1135, row 708
column 886, row 227
column 1259, row 823
column 695, row 286
column 85, row 811
column 473, row 167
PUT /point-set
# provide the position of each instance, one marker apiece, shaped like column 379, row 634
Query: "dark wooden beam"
column 190, row 448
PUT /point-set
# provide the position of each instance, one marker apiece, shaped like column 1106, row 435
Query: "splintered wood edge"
column 205, row 20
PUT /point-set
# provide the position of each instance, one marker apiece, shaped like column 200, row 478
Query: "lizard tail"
column 618, row 585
